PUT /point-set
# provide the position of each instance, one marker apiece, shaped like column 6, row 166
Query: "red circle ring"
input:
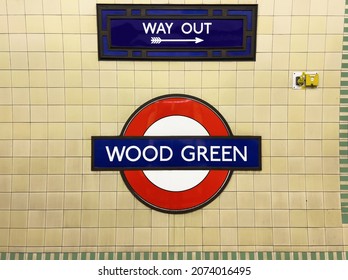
column 210, row 187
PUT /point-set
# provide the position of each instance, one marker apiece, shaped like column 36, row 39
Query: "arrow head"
column 198, row 40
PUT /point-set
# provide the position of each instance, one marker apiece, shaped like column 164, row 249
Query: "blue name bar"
column 156, row 153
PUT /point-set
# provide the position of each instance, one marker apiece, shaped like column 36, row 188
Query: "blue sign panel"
column 173, row 32
column 154, row 153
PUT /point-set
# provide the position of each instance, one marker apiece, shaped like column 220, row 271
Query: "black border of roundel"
column 223, row 186
column 175, row 54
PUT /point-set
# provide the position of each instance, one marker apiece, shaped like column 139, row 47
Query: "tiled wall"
column 55, row 95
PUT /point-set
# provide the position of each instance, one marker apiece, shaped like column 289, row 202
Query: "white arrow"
column 159, row 40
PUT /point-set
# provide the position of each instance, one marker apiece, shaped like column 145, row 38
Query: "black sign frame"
column 245, row 52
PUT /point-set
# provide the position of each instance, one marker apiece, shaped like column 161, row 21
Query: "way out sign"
column 176, row 153
column 177, row 32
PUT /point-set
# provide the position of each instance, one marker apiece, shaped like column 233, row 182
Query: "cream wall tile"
column 319, row 8
column 316, row 236
column 5, row 219
column 51, row 6
column 89, row 44
column 333, row 43
column 16, row 24
column 335, row 7
column 279, row 78
column 69, row 6
column 267, row 8
column 301, row 7
column 281, row 24
column 4, row 42
column 71, row 24
column 53, row 24
column 71, row 42
column 332, row 61
column 37, row 61
column 17, row 237
column 106, row 236
column 316, row 61
column 211, row 236
column 299, row 24
column 265, row 25
column 5, row 78
column 299, row 43
column 20, row 78
column 87, row 24
column 89, row 236
column 264, row 43
column 316, row 43
column 280, row 61
column 333, row 236
column 299, row 236
column 210, row 79
column 53, row 42
column 334, row 24
column 34, row 24
column 15, row 7
column 317, row 25
column 283, row 8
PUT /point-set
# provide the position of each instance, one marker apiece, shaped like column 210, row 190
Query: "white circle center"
column 176, row 180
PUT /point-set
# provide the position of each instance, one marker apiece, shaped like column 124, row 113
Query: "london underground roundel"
column 176, row 153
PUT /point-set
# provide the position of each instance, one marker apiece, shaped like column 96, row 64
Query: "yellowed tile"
column 193, row 236
column 297, row 200
column 262, row 79
column 89, row 218
column 263, row 218
column 246, row 236
column 211, row 236
column 300, row 7
column 265, row 25
column 280, row 61
column 317, row 24
column 15, row 7
column 299, row 43
column 264, row 236
column 106, row 236
column 211, row 218
column 316, row 43
column 333, row 236
column 332, row 218
column 107, row 218
column 36, row 219
column 229, row 236
column 89, row 236
column 281, row 24
column 335, row 7
column 280, row 78
column 37, row 78
column 142, row 236
column 334, row 24
column 142, row 218
column 17, row 237
column 18, row 219
column 316, row 218
column 264, row 43
column 299, row 24
column 332, row 200
column 16, row 24
column 35, row 237
column 332, row 61
column 299, row 236
column 280, row 200
column 159, row 236
column 37, row 201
